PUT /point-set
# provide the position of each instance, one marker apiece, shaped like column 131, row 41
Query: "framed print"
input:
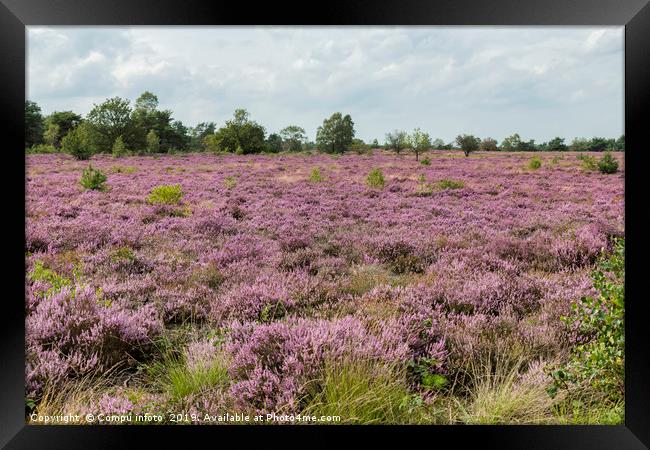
column 394, row 219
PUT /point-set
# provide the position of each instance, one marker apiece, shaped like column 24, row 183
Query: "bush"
column 92, row 179
column 75, row 144
column 598, row 358
column 119, row 149
column 165, row 195
column 42, row 148
column 588, row 162
column 315, row 176
column 425, row 161
column 607, row 164
column 375, row 178
column 450, row 184
column 535, row 163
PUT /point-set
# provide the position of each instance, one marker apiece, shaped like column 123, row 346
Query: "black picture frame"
column 15, row 15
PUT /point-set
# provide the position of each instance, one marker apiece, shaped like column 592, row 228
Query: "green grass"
column 230, row 182
column 449, row 184
column 179, row 380
column 365, row 392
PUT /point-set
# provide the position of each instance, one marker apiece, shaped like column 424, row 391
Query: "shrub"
column 92, row 179
column 375, row 178
column 425, row 161
column 119, row 149
column 449, row 184
column 75, row 144
column 42, row 148
column 588, row 162
column 607, row 164
column 535, row 163
column 315, row 176
column 165, row 195
column 598, row 358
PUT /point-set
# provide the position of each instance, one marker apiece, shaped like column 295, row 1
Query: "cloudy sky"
column 489, row 81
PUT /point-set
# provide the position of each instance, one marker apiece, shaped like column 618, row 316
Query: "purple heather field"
column 278, row 274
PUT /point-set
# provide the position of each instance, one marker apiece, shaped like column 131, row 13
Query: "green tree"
column 293, row 137
column 64, row 121
column 438, row 144
column 240, row 132
column 153, row 142
column 199, row 133
column 336, row 133
column 274, row 143
column 33, row 124
column 556, row 145
column 419, row 141
column 119, row 149
column 511, row 143
column 397, row 141
column 110, row 120
column 80, row 142
column 51, row 135
column 489, row 145
column 579, row 145
column 468, row 143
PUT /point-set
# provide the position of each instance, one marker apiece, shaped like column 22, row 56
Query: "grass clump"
column 315, row 176
column 535, row 163
column 449, row 184
column 365, row 392
column 170, row 194
column 93, row 179
column 607, row 164
column 375, row 179
column 121, row 169
column 230, row 182
column 425, row 161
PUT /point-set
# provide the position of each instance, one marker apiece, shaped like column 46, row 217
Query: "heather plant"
column 375, row 178
column 607, row 164
column 317, row 278
column 165, row 195
column 93, row 179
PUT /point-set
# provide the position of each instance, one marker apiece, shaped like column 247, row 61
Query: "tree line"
column 115, row 127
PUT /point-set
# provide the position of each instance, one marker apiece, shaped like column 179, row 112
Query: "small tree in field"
column 119, row 149
column 153, row 142
column 397, row 141
column 468, row 143
column 419, row 141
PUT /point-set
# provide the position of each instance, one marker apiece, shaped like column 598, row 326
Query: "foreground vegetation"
column 374, row 288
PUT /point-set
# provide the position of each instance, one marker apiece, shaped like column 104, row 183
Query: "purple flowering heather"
column 309, row 272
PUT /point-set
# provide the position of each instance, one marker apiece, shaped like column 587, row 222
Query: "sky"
column 540, row 82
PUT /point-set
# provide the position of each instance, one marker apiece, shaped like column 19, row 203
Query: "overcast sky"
column 489, row 81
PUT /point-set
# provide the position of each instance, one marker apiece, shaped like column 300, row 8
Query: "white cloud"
column 538, row 81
